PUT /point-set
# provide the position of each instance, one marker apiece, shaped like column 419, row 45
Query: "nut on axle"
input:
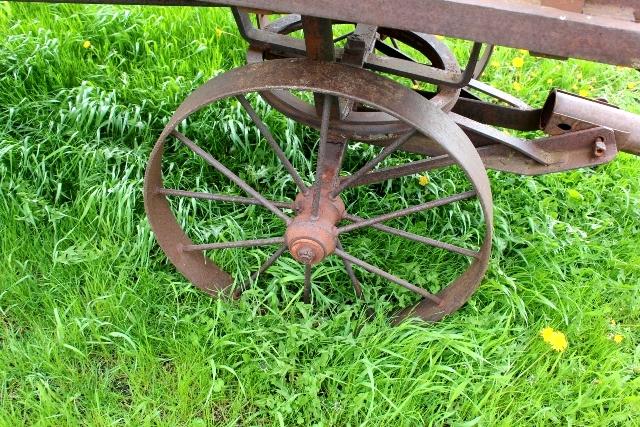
column 311, row 239
column 599, row 147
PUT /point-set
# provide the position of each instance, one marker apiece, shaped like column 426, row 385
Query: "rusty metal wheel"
column 361, row 122
column 321, row 223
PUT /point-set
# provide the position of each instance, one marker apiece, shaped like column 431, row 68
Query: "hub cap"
column 312, row 238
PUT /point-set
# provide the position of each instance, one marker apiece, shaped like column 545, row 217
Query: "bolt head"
column 306, row 255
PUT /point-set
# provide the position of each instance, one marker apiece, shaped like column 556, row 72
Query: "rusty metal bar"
column 318, row 38
column 522, row 25
column 264, row 267
column 195, row 3
column 306, row 296
column 359, row 45
column 499, row 95
column 357, row 288
column 417, row 238
column 498, row 115
column 266, row 133
column 231, row 245
column 418, row 166
column 565, row 112
column 322, row 154
column 220, row 197
column 386, row 152
column 390, row 277
column 525, row 25
column 230, row 175
column 407, row 211
column 495, row 135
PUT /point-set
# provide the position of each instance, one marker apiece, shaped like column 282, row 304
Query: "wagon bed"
column 605, row 31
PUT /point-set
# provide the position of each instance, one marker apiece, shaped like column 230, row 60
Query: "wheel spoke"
column 264, row 267
column 386, row 152
column 349, row 268
column 390, row 277
column 237, row 244
column 417, row 238
column 306, row 296
column 230, row 175
column 322, row 149
column 403, row 170
column 392, row 51
column 220, row 197
column 342, row 37
column 266, row 133
column 407, row 211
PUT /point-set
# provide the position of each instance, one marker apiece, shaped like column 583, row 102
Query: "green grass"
column 99, row 329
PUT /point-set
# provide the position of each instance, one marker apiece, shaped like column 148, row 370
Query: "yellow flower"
column 423, row 180
column 556, row 339
column 86, row 44
column 617, row 338
column 546, row 333
column 495, row 64
column 517, row 86
column 517, row 62
column 583, row 93
column 632, row 85
column 219, row 32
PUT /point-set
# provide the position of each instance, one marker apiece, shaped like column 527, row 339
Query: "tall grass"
column 98, row 328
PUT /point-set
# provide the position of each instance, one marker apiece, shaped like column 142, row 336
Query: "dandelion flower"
column 556, row 339
column 517, row 62
column 86, row 44
column 423, row 180
column 546, row 333
column 617, row 338
column 583, row 93
column 517, row 86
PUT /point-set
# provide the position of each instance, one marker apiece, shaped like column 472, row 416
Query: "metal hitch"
column 564, row 112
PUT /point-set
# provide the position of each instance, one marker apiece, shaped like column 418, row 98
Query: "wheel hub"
column 311, row 238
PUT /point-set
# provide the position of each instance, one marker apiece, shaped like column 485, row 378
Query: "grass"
column 98, row 328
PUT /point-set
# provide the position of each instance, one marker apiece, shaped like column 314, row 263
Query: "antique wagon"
column 350, row 85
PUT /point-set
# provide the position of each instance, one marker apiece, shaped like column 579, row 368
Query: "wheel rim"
column 363, row 125
column 332, row 80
